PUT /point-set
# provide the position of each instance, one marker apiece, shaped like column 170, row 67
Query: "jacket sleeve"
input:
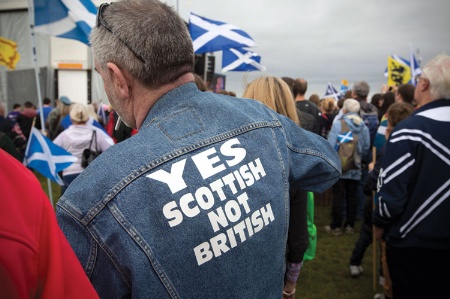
column 367, row 153
column 313, row 163
column 334, row 132
column 395, row 173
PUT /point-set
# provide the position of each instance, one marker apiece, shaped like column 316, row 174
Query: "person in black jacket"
column 413, row 208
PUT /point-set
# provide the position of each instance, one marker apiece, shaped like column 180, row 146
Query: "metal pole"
column 38, row 85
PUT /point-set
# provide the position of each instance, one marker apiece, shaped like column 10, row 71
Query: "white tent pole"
column 38, row 85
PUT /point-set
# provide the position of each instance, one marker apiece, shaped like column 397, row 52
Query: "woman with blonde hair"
column 328, row 109
column 78, row 137
column 275, row 93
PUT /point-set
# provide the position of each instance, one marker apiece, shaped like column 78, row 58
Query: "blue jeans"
column 364, row 241
column 360, row 196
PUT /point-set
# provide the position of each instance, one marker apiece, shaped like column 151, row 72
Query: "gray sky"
column 329, row 40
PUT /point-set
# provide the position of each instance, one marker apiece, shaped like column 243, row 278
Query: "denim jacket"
column 196, row 204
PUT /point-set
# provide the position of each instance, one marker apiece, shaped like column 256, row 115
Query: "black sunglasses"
column 101, row 21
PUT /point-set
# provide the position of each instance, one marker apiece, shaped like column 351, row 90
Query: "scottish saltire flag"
column 343, row 138
column 209, row 35
column 46, row 157
column 331, row 92
column 241, row 60
column 72, row 19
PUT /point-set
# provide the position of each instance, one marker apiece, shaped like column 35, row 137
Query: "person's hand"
column 378, row 232
column 289, row 290
column 371, row 166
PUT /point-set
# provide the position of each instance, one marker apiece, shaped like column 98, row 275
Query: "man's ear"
column 423, row 84
column 119, row 80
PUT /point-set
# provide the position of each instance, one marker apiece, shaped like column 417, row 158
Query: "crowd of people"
column 200, row 194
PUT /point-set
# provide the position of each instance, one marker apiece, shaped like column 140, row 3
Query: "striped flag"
column 72, row 19
column 241, row 60
column 209, row 35
column 46, row 157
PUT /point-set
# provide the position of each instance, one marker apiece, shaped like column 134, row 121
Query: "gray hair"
column 437, row 71
column 361, row 89
column 351, row 105
column 154, row 31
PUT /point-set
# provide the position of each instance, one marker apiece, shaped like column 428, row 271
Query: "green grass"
column 327, row 275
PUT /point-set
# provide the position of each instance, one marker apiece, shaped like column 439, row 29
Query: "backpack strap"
column 344, row 126
column 93, row 139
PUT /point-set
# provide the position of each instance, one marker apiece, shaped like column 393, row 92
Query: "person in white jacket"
column 76, row 138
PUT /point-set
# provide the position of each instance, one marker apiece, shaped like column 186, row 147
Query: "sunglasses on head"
column 102, row 22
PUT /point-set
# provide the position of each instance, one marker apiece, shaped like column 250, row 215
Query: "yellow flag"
column 8, row 53
column 398, row 71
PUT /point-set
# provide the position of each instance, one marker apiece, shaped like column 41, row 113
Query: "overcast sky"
column 329, row 40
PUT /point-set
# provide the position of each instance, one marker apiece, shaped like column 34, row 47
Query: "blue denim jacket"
column 196, row 204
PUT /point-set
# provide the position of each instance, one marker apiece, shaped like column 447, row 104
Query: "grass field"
column 327, row 275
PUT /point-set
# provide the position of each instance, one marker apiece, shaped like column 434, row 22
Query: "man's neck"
column 300, row 98
column 148, row 97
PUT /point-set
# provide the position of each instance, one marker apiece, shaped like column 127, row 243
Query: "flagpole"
column 38, row 85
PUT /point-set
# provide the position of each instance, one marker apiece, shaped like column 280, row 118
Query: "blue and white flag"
column 209, row 35
column 241, row 60
column 415, row 68
column 46, row 157
column 331, row 92
column 345, row 137
column 72, row 19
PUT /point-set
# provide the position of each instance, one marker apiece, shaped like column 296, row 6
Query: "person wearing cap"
column 75, row 139
column 196, row 204
column 53, row 123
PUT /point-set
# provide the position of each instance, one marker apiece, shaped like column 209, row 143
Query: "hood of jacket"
column 354, row 122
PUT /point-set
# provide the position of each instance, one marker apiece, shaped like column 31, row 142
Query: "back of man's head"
column 361, row 89
column 146, row 38
column 299, row 87
column 290, row 82
column 46, row 101
column 406, row 92
column 28, row 105
column 437, row 72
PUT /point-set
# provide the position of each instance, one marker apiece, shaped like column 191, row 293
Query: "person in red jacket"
column 36, row 261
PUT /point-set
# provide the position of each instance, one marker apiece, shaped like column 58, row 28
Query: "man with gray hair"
column 413, row 208
column 368, row 112
column 196, row 204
